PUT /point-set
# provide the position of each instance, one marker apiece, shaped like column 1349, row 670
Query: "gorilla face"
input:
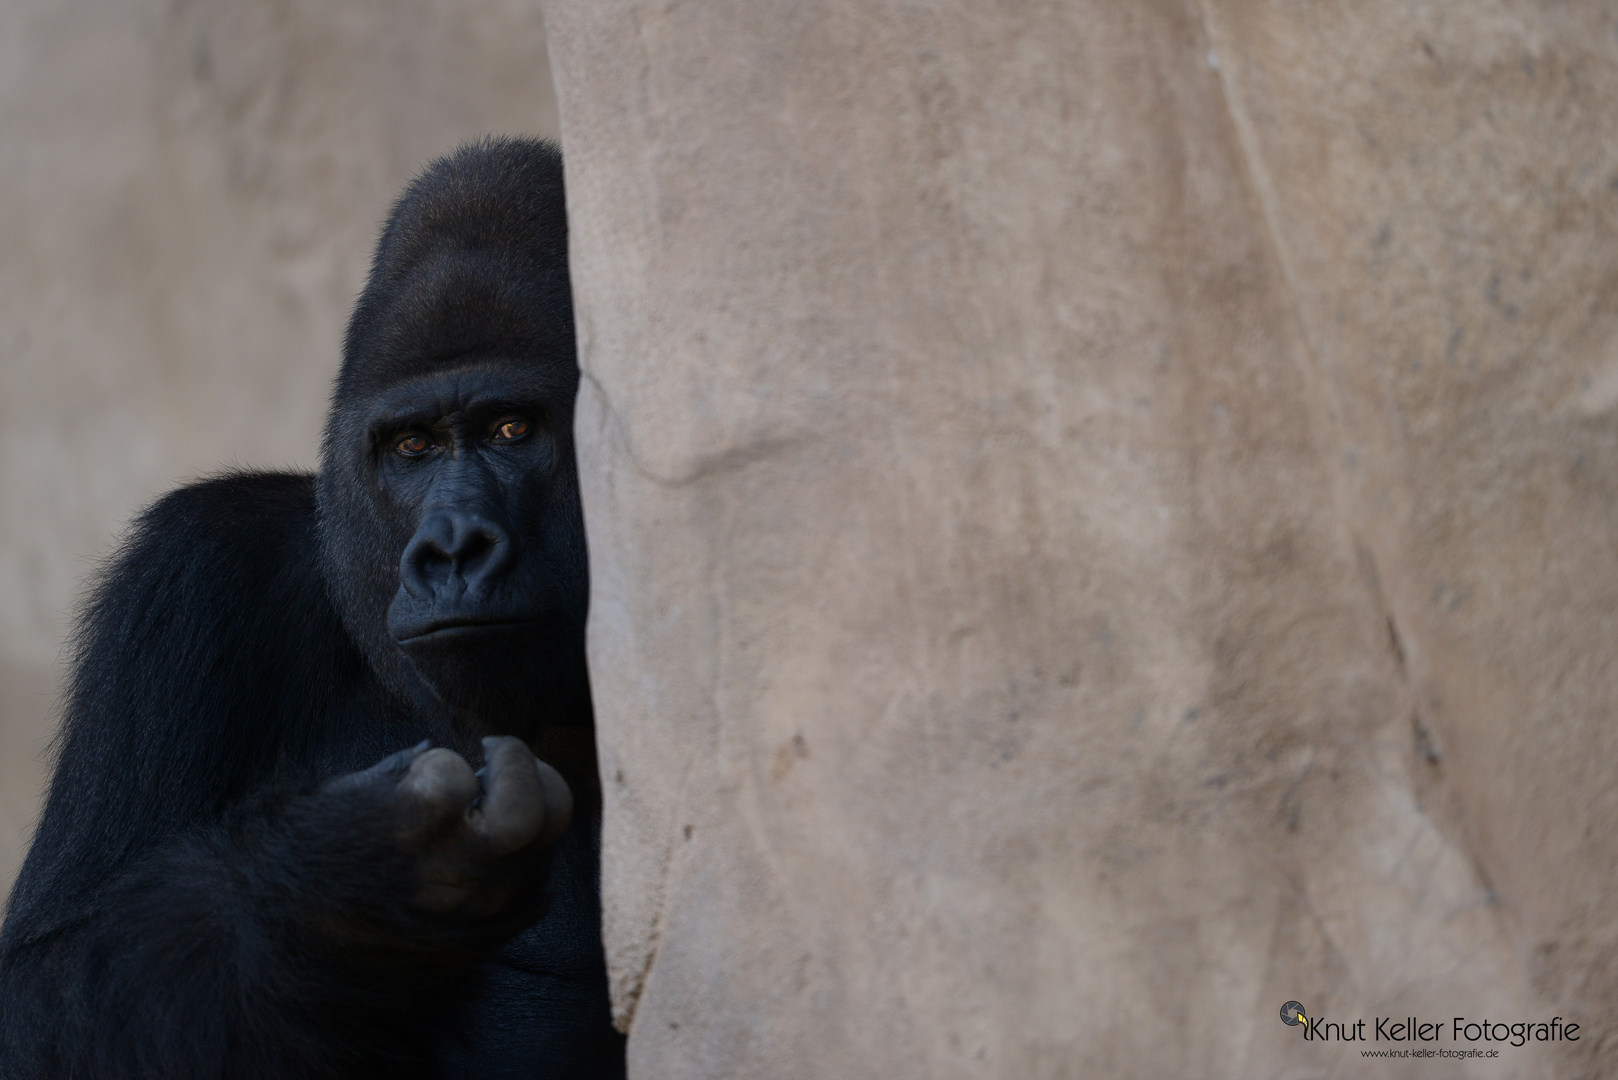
column 451, row 532
column 471, row 458
column 474, row 542
column 474, row 473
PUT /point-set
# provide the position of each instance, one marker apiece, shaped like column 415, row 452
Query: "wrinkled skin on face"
column 469, row 475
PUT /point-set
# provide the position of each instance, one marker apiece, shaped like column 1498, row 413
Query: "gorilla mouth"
column 462, row 627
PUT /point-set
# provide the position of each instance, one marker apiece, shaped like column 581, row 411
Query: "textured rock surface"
column 1104, row 518
column 188, row 196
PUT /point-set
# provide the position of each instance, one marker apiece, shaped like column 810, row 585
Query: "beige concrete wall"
column 1103, row 520
column 188, row 195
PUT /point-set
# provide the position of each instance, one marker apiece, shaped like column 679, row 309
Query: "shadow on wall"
column 188, row 197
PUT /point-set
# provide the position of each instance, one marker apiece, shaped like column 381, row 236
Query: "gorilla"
column 240, row 870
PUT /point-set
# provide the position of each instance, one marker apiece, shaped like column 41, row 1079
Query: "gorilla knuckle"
column 438, row 786
column 513, row 822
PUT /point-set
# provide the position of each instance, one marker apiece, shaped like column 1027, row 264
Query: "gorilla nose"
column 454, row 547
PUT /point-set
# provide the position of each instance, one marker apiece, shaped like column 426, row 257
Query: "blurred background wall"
column 189, row 190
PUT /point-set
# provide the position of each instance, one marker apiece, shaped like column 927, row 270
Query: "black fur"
column 201, row 899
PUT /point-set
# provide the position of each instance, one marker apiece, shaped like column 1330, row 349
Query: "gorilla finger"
column 391, row 766
column 512, row 812
column 558, row 802
column 438, row 785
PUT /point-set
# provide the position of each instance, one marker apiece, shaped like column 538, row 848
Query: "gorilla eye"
column 510, row 429
column 414, row 444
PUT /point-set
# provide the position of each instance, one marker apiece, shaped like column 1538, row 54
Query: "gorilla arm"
column 194, row 902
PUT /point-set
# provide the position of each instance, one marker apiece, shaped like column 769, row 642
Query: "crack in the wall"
column 610, row 440
column 1324, row 397
column 695, row 466
column 623, row 1012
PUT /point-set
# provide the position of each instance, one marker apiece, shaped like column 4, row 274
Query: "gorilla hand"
column 472, row 837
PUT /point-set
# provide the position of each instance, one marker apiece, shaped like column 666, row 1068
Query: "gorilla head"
column 451, row 534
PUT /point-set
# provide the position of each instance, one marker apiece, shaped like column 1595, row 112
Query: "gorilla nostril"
column 474, row 547
column 426, row 561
